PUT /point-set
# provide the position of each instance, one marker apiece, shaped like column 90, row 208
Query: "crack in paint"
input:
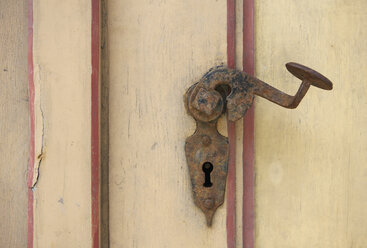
column 41, row 155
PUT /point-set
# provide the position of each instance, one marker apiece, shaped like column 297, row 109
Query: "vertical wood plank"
column 104, row 129
column 311, row 184
column 160, row 48
column 231, row 126
column 239, row 128
column 248, row 130
column 62, row 167
column 95, row 123
column 14, row 124
column 31, row 94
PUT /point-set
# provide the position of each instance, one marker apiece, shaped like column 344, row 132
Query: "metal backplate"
column 207, row 146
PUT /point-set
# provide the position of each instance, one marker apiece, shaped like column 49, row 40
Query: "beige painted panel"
column 239, row 128
column 62, row 68
column 157, row 50
column 14, row 124
column 311, row 174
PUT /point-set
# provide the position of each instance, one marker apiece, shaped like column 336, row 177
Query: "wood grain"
column 32, row 128
column 104, row 130
column 14, row 125
column 95, row 123
column 62, row 77
column 231, row 126
column 248, row 213
column 159, row 49
column 311, row 174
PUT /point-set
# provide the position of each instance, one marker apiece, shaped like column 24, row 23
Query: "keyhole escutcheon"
column 207, row 168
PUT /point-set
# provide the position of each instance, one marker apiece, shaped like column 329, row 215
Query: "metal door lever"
column 223, row 89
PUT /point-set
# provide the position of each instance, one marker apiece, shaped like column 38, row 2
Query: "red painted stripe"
column 95, row 154
column 32, row 125
column 248, row 132
column 231, row 187
column 231, row 33
column 231, row 178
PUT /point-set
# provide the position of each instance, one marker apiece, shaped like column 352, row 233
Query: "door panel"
column 310, row 162
column 61, row 185
column 14, row 124
column 157, row 50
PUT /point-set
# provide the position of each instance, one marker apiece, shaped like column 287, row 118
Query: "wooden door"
column 107, row 166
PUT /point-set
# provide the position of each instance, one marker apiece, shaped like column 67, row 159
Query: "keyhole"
column 207, row 168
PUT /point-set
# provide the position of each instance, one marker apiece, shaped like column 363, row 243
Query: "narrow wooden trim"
column 231, row 187
column 231, row 33
column 104, row 129
column 231, row 178
column 32, row 126
column 248, row 234
column 95, row 147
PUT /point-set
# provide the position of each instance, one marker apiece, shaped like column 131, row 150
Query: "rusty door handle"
column 308, row 76
column 206, row 101
column 207, row 150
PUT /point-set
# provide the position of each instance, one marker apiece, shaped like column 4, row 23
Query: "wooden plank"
column 231, row 126
column 95, row 123
column 248, row 199
column 239, row 128
column 62, row 78
column 159, row 49
column 31, row 94
column 311, row 174
column 14, row 124
column 104, row 129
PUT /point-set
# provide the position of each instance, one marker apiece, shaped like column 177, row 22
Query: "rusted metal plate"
column 222, row 89
column 203, row 148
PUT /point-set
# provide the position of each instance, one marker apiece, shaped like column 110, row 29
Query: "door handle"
column 221, row 89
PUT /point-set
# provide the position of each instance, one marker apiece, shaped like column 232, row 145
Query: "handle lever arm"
column 276, row 96
column 308, row 76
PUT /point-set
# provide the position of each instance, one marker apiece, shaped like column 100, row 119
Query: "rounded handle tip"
column 307, row 74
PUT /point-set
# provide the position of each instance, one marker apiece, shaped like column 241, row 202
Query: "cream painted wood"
column 157, row 50
column 311, row 183
column 62, row 73
column 14, row 124
column 311, row 179
column 239, row 128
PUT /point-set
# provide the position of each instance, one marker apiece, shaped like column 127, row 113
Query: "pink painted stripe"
column 231, row 187
column 32, row 125
column 95, row 151
column 248, row 132
column 231, row 33
column 231, row 178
